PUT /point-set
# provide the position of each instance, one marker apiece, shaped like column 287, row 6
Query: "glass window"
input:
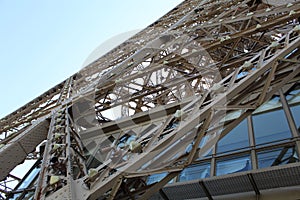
column 204, row 141
column 156, row 178
column 237, row 138
column 29, row 178
column 16, row 196
column 272, row 104
column 195, row 172
column 234, row 165
column 29, row 195
column 293, row 98
column 232, row 115
column 275, row 157
column 270, row 126
column 296, row 115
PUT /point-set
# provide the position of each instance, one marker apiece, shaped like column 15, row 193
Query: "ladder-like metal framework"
column 157, row 102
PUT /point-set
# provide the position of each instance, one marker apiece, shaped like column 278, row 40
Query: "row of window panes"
column 267, row 126
column 274, row 157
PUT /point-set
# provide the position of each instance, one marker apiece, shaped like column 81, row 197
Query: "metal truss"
column 157, row 102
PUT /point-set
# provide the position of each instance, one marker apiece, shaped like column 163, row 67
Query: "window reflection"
column 29, row 178
column 29, row 195
column 195, row 172
column 293, row 96
column 232, row 115
column 157, row 177
column 272, row 104
column 276, row 157
column 270, row 126
column 296, row 115
column 234, row 165
column 235, row 139
column 203, row 141
column 293, row 99
column 16, row 196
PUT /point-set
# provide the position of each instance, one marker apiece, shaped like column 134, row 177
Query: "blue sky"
column 44, row 42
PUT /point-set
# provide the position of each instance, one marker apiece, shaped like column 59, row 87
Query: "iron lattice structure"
column 167, row 88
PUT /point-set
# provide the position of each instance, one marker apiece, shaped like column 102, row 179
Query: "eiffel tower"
column 200, row 104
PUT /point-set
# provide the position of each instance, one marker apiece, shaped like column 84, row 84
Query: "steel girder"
column 200, row 62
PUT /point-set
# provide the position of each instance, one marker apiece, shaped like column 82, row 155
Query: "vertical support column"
column 252, row 142
column 58, row 159
column 69, row 158
column 53, row 174
column 290, row 120
column 213, row 161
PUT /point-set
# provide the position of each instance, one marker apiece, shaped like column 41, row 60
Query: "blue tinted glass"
column 233, row 165
column 195, row 172
column 16, row 196
column 235, row 139
column 29, row 178
column 293, row 98
column 156, row 178
column 270, row 127
column 276, row 157
column 296, row 114
column 29, row 195
column 272, row 104
column 204, row 141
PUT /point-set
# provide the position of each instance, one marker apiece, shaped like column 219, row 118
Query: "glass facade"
column 229, row 166
column 296, row 115
column 270, row 127
column 273, row 143
column 293, row 98
column 195, row 172
column 273, row 157
column 234, row 140
column 156, row 178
